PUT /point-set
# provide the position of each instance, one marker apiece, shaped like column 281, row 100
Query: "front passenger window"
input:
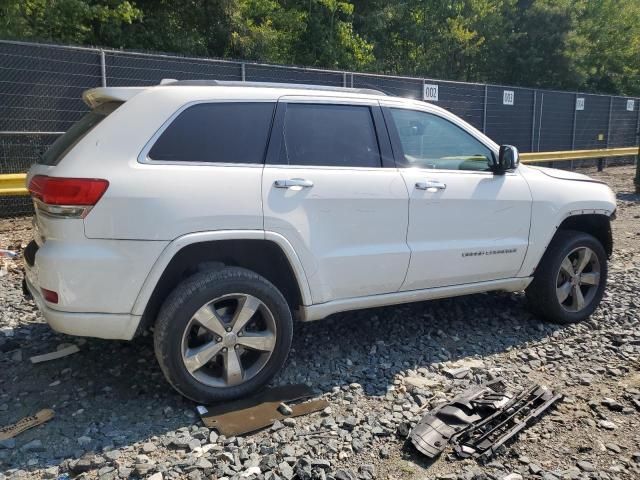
column 429, row 141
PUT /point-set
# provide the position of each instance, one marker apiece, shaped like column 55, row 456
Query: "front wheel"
column 569, row 283
column 222, row 334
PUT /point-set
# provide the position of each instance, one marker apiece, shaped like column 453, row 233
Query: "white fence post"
column 533, row 119
column 103, row 68
column 484, row 109
column 540, row 119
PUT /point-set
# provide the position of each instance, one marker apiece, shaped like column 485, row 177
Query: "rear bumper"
column 91, row 275
column 101, row 325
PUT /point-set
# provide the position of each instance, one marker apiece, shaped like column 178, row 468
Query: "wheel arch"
column 595, row 224
column 268, row 254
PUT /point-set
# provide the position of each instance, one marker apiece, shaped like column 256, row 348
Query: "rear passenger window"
column 329, row 135
column 216, row 133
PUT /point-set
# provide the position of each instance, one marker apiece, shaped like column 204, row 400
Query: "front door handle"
column 293, row 182
column 431, row 185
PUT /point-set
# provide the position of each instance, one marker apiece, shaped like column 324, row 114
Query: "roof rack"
column 225, row 83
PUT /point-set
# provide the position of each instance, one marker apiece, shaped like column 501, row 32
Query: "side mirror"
column 508, row 159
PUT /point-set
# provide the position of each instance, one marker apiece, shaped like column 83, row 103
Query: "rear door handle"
column 293, row 182
column 431, row 185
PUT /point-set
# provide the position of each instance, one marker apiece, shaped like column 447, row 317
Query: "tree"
column 67, row 21
column 604, row 49
column 569, row 44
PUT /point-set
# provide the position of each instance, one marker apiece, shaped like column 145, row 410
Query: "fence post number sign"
column 508, row 97
column 580, row 103
column 430, row 93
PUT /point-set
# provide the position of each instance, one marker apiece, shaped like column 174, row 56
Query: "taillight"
column 66, row 197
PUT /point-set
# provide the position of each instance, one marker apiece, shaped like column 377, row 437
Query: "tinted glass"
column 429, row 141
column 77, row 132
column 329, row 135
column 216, row 133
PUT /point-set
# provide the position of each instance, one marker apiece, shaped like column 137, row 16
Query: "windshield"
column 68, row 140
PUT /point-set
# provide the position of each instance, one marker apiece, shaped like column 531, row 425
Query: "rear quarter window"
column 234, row 132
column 77, row 132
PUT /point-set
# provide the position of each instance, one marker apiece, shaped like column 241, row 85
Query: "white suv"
column 217, row 212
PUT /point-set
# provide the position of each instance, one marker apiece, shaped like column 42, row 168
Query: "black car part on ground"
column 479, row 421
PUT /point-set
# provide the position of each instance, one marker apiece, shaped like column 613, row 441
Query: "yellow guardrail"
column 13, row 184
column 577, row 154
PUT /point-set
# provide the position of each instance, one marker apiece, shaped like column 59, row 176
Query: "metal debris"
column 457, row 373
column 4, row 253
column 481, row 420
column 248, row 415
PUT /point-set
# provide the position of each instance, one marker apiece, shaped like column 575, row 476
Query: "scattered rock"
column 612, row 405
column 613, row 447
column 33, row 446
column 512, row 476
column 84, row 441
column 367, row 471
column 285, row 470
column 8, row 443
column 413, row 382
column 149, row 447
column 607, row 425
column 285, row 409
column 385, row 452
column 344, row 475
column 586, row 466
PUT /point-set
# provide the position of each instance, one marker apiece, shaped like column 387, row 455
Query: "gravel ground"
column 117, row 418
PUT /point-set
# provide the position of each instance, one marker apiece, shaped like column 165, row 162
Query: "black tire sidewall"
column 544, row 285
column 190, row 296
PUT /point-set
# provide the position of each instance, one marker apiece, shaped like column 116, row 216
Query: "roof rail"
column 225, row 83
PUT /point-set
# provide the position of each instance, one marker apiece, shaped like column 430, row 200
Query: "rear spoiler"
column 97, row 96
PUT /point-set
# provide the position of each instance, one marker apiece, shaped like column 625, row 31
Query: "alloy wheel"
column 578, row 279
column 229, row 340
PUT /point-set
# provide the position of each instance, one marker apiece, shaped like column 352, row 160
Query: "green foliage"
column 571, row 44
column 67, row 21
column 604, row 49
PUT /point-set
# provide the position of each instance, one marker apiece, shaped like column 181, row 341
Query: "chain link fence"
column 41, row 88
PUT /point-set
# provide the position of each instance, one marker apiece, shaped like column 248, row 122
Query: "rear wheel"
column 570, row 280
column 222, row 334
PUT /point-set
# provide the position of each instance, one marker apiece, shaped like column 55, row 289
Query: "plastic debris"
column 482, row 419
column 26, row 423
column 202, row 410
column 63, row 352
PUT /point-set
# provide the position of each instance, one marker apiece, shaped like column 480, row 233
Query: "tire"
column 553, row 278
column 233, row 369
